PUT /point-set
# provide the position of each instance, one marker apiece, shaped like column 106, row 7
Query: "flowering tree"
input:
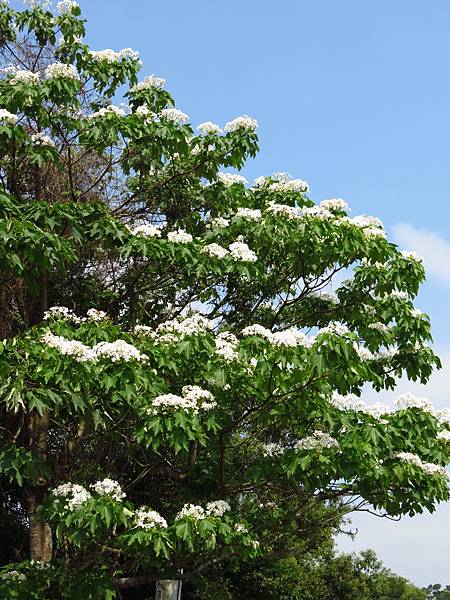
column 216, row 383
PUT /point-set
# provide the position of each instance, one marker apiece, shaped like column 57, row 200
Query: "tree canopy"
column 184, row 354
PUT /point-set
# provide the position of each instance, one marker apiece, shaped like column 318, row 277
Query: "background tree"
column 212, row 395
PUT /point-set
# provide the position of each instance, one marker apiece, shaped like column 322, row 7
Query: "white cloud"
column 431, row 246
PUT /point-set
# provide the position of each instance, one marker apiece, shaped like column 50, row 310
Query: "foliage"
column 217, row 380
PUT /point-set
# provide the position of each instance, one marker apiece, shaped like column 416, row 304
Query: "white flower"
column 363, row 221
column 174, row 115
column 149, row 519
column 291, row 338
column 108, row 487
column 351, row 403
column 7, row 117
column 245, row 123
column 226, row 343
column 406, row 401
column 325, row 296
column 169, row 330
column 63, row 313
column 241, row 252
column 289, row 185
column 335, row 204
column 118, row 351
column 144, row 111
column 40, row 139
column 217, row 508
column 146, row 231
column 180, row 236
column 111, row 109
column 240, row 528
column 150, row 82
column 191, row 511
column 428, row 468
column 248, row 213
column 363, row 352
column 257, row 330
column 215, row 250
column 443, row 435
column 35, row 3
column 381, row 327
column 203, row 398
column 416, row 312
column 228, row 179
column 14, row 576
column 411, row 256
column 96, row 315
column 335, row 328
column 194, row 398
column 24, row 76
column 74, row 348
column 316, row 441
column 317, row 211
column 66, row 6
column 111, row 56
column 219, row 222
column 284, row 210
column 61, row 71
column 209, row 128
column 273, row 449
column 73, row 493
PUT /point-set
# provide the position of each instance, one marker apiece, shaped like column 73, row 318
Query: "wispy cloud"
column 434, row 249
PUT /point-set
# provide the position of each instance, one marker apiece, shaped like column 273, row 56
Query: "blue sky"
column 352, row 96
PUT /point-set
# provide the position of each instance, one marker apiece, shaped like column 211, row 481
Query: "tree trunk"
column 41, row 544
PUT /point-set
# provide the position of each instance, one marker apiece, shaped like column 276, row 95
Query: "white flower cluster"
column 169, row 331
column 406, row 401
column 248, row 213
column 106, row 111
column 192, row 511
column 24, row 76
column 284, row 183
column 428, row 468
column 351, row 403
column 273, row 449
column 443, row 435
column 73, row 494
column 95, row 315
column 40, row 139
column 284, row 210
column 335, row 328
column 14, row 576
column 244, row 123
column 193, row 399
column 290, row 338
column 108, row 487
column 61, row 312
column 66, row 6
column 228, row 179
column 149, row 519
column 381, row 327
column 411, row 256
column 240, row 528
column 35, row 3
column 238, row 251
column 325, row 296
column 145, row 112
column 118, row 351
column 60, row 70
column 241, row 252
column 217, row 508
column 7, row 117
column 371, row 226
column 110, row 56
column 335, row 204
column 115, row 351
column 318, row 212
column 180, row 236
column 150, row 82
column 209, row 128
column 174, row 115
column 318, row 440
column 219, row 222
column 215, row 250
column 226, row 343
column 146, row 231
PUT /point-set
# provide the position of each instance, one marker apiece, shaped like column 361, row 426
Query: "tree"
column 176, row 378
